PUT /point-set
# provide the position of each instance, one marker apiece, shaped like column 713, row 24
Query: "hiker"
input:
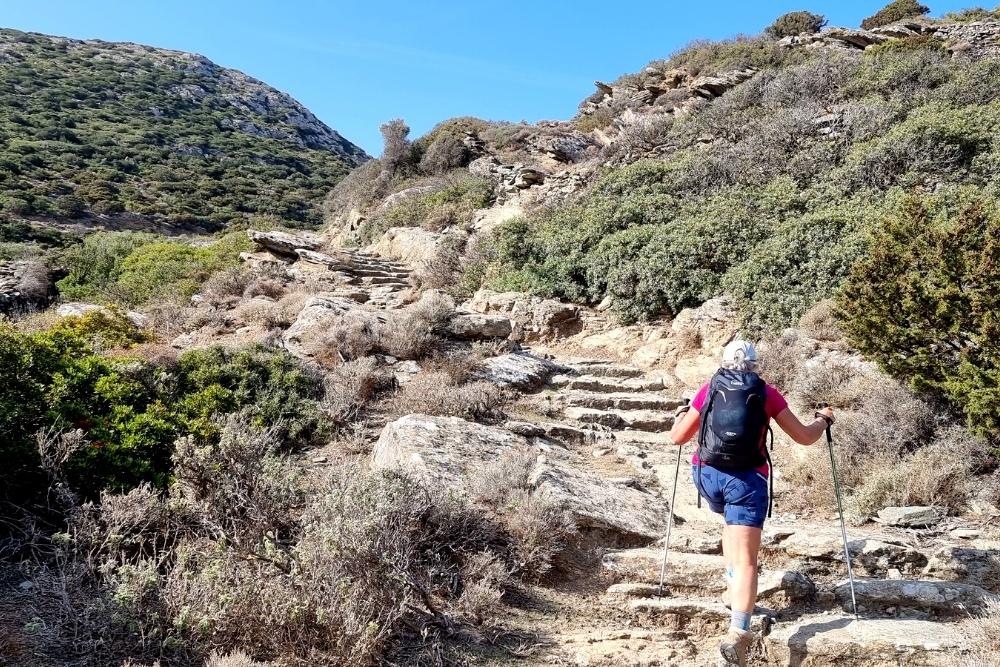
column 731, row 416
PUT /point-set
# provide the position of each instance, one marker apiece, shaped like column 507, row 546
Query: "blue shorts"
column 739, row 495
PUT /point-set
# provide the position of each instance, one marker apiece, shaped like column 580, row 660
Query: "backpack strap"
column 770, row 472
column 701, row 436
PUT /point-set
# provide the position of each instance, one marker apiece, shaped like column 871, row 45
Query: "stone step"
column 607, row 384
column 620, row 400
column 385, row 280
column 603, row 368
column 379, row 273
column 642, row 420
column 878, row 642
column 702, row 573
column 942, row 598
column 705, row 617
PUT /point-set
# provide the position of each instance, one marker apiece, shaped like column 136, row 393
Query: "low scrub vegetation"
column 897, row 10
column 129, row 409
column 131, row 268
column 247, row 556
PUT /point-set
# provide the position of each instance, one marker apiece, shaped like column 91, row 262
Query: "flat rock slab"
column 609, row 384
column 640, row 420
column 445, row 452
column 283, row 243
column 870, row 555
column 621, row 400
column 519, row 370
column 910, row 517
column 818, row 641
column 787, row 586
column 695, row 572
column 947, row 598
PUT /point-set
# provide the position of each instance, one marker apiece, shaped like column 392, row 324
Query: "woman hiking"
column 731, row 416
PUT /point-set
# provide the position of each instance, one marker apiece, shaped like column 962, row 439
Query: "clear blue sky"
column 356, row 64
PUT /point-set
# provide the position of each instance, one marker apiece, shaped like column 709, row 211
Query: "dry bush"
column 414, row 332
column 349, row 339
column 819, row 322
column 487, row 577
column 441, row 271
column 351, row 386
column 264, row 286
column 226, row 283
column 34, row 280
column 458, row 366
column 781, row 359
column 38, row 321
column 170, row 318
column 235, row 659
column 540, row 531
column 434, row 393
column 982, row 632
column 942, row 474
column 836, row 382
column 262, row 312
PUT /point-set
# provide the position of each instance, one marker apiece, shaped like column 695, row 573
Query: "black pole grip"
column 829, row 422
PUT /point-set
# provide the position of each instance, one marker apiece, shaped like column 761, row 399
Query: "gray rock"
column 786, row 585
column 944, row 597
column 526, row 429
column 445, row 452
column 519, row 370
column 869, row 555
column 305, row 337
column 282, row 243
column 476, row 326
column 695, row 573
column 77, row 309
column 909, row 517
column 841, row 640
column 534, row 318
column 980, row 567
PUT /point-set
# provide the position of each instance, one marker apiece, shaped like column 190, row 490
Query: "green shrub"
column 895, row 11
column 129, row 410
column 801, row 264
column 923, row 304
column 796, row 23
column 132, row 268
column 973, row 14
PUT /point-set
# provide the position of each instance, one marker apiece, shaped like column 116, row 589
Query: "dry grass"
column 982, row 632
column 351, row 386
column 435, row 393
column 265, row 286
column 819, row 322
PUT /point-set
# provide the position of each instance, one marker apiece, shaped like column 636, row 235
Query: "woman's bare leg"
column 741, row 545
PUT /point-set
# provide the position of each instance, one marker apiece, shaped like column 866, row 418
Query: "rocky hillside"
column 92, row 129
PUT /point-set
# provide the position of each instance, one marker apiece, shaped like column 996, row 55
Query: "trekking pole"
column 670, row 521
column 840, row 506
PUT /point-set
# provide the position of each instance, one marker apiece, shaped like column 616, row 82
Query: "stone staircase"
column 908, row 616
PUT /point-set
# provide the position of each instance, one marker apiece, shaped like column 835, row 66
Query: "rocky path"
column 598, row 428
column 911, row 599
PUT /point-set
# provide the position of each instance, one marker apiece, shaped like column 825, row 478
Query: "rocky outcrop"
column 968, row 564
column 534, row 318
column 447, row 452
column 283, row 243
column 412, row 246
column 477, row 326
column 25, row 285
column 304, row 338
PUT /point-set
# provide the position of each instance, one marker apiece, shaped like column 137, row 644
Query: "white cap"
column 738, row 352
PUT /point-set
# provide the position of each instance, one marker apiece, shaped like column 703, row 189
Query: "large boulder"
column 412, row 246
column 446, row 452
column 78, row 309
column 283, row 243
column 477, row 326
column 304, row 338
column 519, row 370
column 534, row 318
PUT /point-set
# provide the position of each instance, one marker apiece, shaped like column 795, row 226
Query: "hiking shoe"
column 735, row 646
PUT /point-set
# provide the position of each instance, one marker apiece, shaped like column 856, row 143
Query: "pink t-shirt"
column 774, row 404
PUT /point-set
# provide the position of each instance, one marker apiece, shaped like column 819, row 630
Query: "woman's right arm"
column 804, row 434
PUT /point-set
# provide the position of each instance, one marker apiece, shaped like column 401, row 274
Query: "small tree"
column 396, row 151
column 796, row 23
column 895, row 11
column 924, row 305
